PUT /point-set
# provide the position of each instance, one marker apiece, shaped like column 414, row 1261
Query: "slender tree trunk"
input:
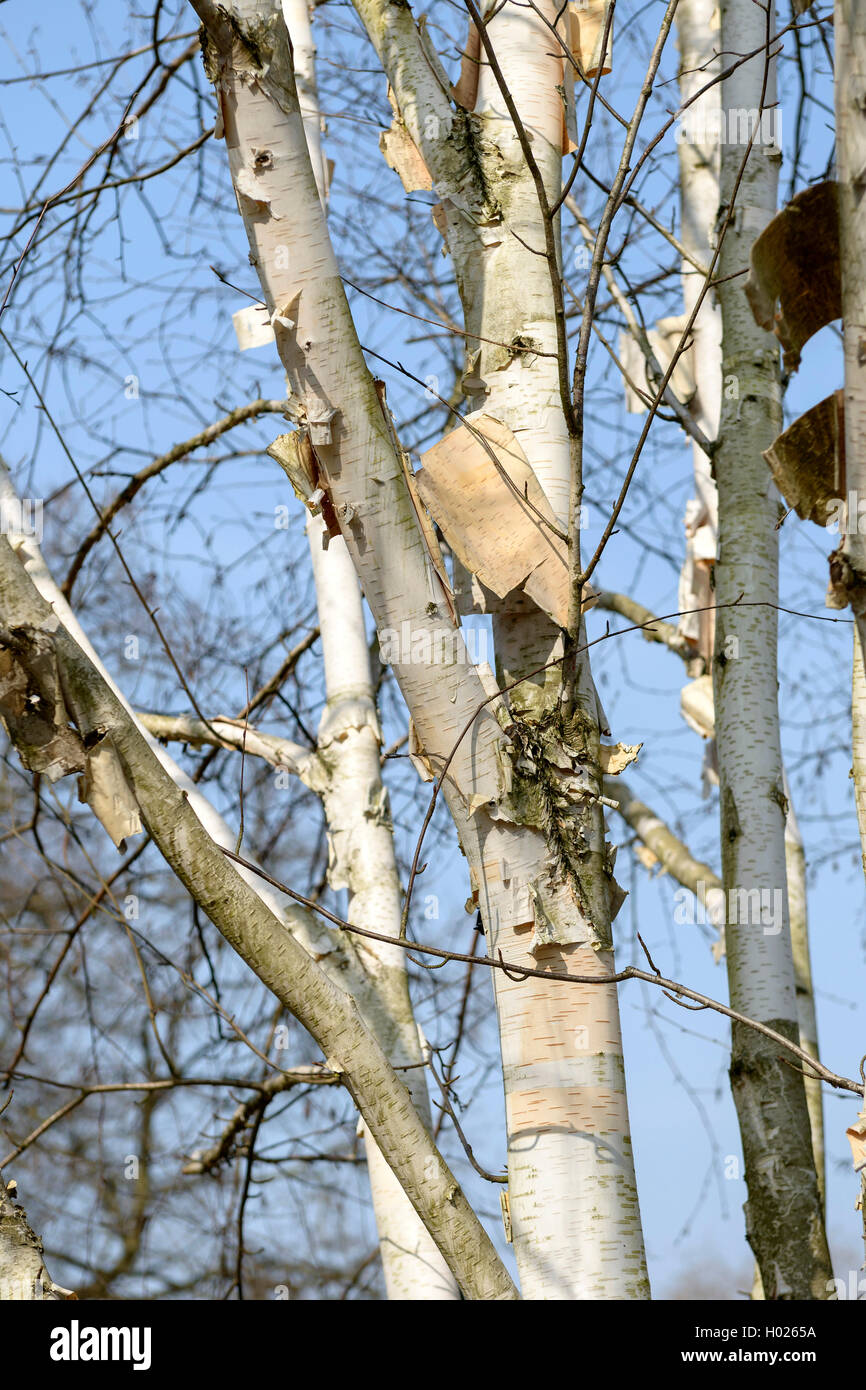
column 296, row 13
column 322, row 944
column 570, row 1163
column 361, row 859
column 360, row 835
column 698, row 36
column 697, row 24
column 784, row 1218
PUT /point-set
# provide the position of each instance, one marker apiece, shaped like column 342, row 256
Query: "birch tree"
column 784, row 1218
column 347, row 774
column 527, row 868
column 516, row 212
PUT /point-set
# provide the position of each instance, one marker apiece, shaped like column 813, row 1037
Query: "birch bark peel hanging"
column 585, row 34
column 857, row 1137
column 795, row 264
column 297, row 458
column 581, row 30
column 465, row 90
column 807, row 460
column 252, row 327
column 402, row 154
column 104, row 788
column 614, row 758
column 38, row 712
column 482, row 493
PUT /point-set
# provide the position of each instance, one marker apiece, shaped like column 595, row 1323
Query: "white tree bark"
column 514, row 850
column 784, row 1218
column 360, row 836
column 698, row 37
column 347, row 775
column 296, row 13
column 570, row 1165
column 23, row 1276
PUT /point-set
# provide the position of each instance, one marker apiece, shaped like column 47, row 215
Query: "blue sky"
column 164, row 318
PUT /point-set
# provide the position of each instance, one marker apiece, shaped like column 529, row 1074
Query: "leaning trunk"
column 519, row 831
column 360, row 834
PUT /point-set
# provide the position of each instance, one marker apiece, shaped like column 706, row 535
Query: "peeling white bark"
column 570, row 1167
column 698, row 40
column 296, row 13
column 569, row 1160
column 346, row 772
column 529, row 904
column 23, row 1276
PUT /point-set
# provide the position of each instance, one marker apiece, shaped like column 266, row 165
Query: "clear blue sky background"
column 684, row 1127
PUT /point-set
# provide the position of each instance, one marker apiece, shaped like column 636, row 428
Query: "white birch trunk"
column 360, row 834
column 515, row 855
column 570, row 1166
column 296, row 13
column 698, row 33
column 23, row 1276
column 784, row 1218
column 361, row 859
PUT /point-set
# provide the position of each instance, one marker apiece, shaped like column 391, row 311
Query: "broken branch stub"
column 795, row 264
column 480, row 490
column 296, row 456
